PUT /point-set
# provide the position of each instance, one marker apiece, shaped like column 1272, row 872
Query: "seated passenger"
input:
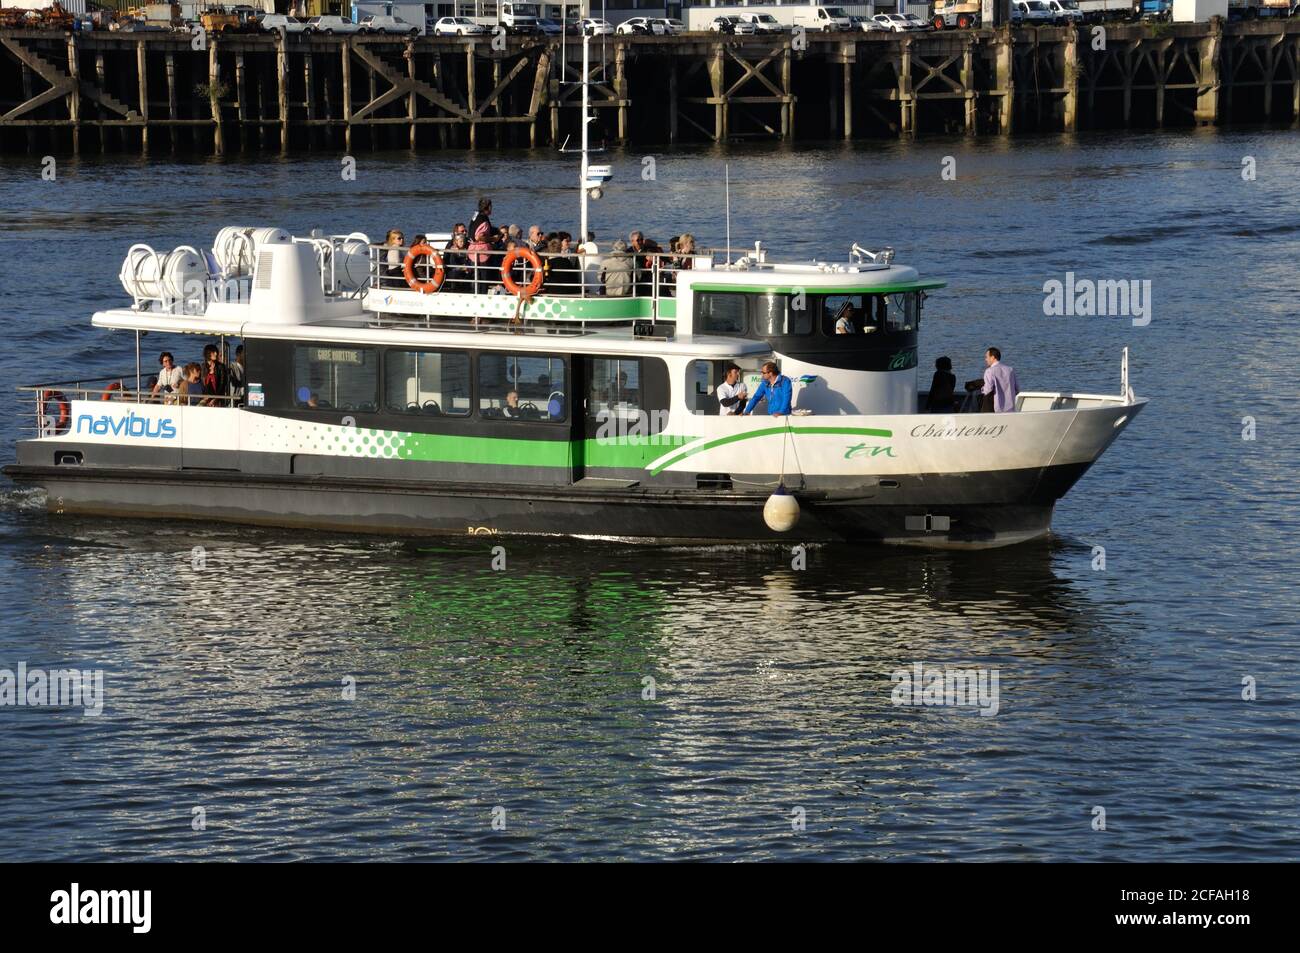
column 616, row 275
column 731, row 393
column 562, row 268
column 169, row 378
column 512, row 410
column 776, row 387
column 460, row 278
column 190, row 389
column 942, row 388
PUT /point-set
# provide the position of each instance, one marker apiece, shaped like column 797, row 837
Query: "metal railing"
column 48, row 406
column 566, row 274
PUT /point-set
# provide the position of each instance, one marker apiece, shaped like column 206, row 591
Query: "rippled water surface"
column 525, row 690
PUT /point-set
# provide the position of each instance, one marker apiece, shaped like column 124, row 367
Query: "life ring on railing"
column 530, row 256
column 108, row 391
column 65, row 411
column 408, row 269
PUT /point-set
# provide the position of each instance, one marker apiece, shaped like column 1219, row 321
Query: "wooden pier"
column 113, row 92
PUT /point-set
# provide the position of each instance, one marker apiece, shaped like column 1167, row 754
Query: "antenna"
column 726, row 174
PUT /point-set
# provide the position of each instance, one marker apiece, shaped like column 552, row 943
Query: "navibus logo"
column 131, row 425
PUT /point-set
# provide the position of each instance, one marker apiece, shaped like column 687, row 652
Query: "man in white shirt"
column 731, row 393
column 169, row 376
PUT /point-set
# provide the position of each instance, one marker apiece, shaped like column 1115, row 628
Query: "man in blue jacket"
column 776, row 388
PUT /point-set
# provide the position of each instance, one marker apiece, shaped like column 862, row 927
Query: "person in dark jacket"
column 215, row 377
column 942, row 388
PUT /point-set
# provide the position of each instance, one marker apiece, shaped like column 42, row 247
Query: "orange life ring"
column 65, row 409
column 108, row 391
column 408, row 269
column 529, row 256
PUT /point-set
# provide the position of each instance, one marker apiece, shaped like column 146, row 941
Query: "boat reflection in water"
column 672, row 698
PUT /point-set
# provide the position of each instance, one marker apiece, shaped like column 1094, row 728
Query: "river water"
column 606, row 701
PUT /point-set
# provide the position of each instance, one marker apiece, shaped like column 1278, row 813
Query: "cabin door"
column 584, row 427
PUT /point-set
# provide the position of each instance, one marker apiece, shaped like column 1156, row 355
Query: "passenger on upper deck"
column 616, row 276
column 643, row 252
column 460, row 275
column 481, row 237
column 776, row 387
column 169, row 378
column 393, row 258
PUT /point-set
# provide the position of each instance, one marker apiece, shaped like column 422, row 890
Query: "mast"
column 586, row 119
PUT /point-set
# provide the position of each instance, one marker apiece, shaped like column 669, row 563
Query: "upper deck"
column 264, row 282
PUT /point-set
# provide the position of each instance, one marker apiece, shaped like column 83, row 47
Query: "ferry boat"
column 418, row 400
column 374, row 403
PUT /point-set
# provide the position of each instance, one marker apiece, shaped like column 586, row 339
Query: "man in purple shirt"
column 1000, row 382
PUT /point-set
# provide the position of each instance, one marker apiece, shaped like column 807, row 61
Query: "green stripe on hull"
column 807, row 289
column 767, row 432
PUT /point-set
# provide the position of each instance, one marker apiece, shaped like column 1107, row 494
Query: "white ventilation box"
column 1199, row 11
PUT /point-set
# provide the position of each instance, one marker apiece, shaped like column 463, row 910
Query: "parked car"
column 279, row 21
column 386, row 24
column 672, row 27
column 917, row 23
column 733, row 25
column 763, row 22
column 893, row 22
column 866, row 24
column 594, row 26
column 549, row 27
column 331, row 25
column 458, row 26
column 641, row 25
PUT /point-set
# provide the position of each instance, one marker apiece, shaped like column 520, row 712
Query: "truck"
column 1149, row 11
column 1257, row 9
column 1095, row 11
column 512, row 16
column 956, row 14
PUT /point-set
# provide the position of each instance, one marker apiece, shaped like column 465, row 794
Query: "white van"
column 1065, row 12
column 823, row 19
column 1034, row 12
column 764, row 22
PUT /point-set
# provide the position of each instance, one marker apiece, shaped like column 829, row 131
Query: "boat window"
column 720, row 313
column 901, row 312
column 536, row 381
column 335, row 377
column 428, row 382
column 615, row 388
column 853, row 311
column 774, row 315
column 703, row 378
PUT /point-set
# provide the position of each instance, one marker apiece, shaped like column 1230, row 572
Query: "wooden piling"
column 142, row 78
column 74, row 94
column 282, row 87
column 214, row 98
column 347, row 95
